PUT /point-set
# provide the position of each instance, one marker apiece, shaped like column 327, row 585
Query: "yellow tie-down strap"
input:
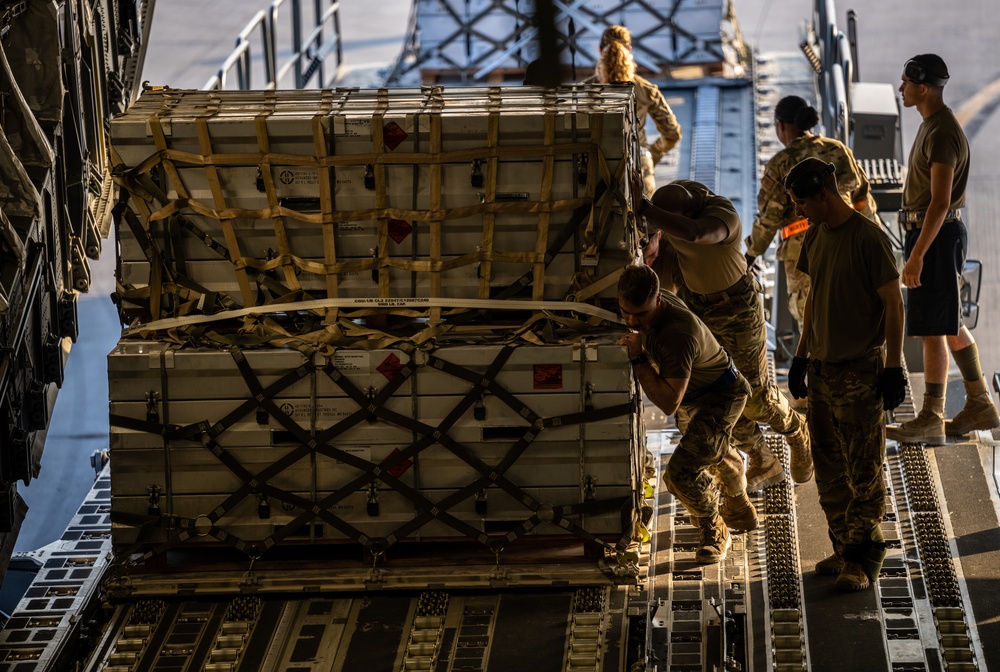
column 153, row 206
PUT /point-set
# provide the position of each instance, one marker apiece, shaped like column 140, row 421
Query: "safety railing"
column 310, row 39
column 837, row 68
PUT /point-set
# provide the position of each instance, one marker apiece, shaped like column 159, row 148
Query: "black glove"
column 797, row 377
column 891, row 386
column 752, row 265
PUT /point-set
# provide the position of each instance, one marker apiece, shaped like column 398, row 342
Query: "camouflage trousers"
column 848, row 446
column 737, row 321
column 797, row 283
column 798, row 290
column 706, row 426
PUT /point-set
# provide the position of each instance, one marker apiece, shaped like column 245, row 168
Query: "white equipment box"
column 472, row 41
column 433, row 192
column 454, row 442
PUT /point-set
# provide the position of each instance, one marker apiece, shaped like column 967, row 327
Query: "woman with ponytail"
column 793, row 123
column 616, row 66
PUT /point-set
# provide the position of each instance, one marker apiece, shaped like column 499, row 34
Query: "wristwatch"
column 641, row 359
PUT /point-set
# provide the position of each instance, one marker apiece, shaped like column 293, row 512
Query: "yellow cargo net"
column 161, row 200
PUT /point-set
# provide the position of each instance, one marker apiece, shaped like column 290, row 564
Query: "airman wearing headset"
column 935, row 247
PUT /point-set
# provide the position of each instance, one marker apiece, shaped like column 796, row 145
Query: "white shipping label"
column 358, row 127
column 364, row 452
column 301, row 410
column 352, row 360
column 288, row 175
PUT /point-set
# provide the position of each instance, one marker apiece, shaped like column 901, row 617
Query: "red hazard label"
column 393, row 134
column 548, row 377
column 399, row 229
column 401, row 468
column 390, row 366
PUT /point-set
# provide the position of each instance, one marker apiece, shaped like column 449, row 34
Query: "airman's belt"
column 914, row 219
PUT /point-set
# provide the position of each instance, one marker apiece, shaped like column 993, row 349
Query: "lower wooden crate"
column 461, row 449
column 194, row 469
column 354, row 523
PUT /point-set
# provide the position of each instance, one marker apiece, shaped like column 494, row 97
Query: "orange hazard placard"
column 398, row 230
column 399, row 469
column 390, row 366
column 548, row 377
column 393, row 134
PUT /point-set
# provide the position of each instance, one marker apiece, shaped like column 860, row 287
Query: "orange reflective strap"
column 797, row 226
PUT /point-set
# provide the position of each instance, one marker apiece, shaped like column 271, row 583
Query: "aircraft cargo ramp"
column 933, row 608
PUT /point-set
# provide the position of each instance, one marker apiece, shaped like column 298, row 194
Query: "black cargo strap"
column 155, row 257
column 205, row 434
column 156, row 260
column 493, row 476
column 370, row 471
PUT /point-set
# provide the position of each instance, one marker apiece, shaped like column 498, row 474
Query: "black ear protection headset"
column 917, row 72
column 810, row 182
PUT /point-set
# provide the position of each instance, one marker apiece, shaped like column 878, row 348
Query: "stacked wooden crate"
column 390, row 193
column 457, row 442
column 471, row 41
column 255, row 220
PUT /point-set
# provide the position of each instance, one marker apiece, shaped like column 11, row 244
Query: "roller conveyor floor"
column 935, row 607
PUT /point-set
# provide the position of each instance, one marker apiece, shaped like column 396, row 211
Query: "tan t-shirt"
column 681, row 346
column 940, row 139
column 711, row 268
column 846, row 266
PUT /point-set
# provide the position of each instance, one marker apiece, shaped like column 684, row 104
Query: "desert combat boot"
column 831, row 565
column 801, row 460
column 738, row 512
column 927, row 427
column 978, row 412
column 852, row 578
column 714, row 541
column 764, row 469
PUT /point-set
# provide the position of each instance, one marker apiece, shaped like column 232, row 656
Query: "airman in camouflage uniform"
column 684, row 371
column 704, row 231
column 853, row 318
column 776, row 213
column 617, row 66
column 649, row 100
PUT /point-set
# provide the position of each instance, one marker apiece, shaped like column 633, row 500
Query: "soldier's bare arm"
column 802, row 350
column 892, row 301
column 942, row 177
column 702, row 231
column 666, row 393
